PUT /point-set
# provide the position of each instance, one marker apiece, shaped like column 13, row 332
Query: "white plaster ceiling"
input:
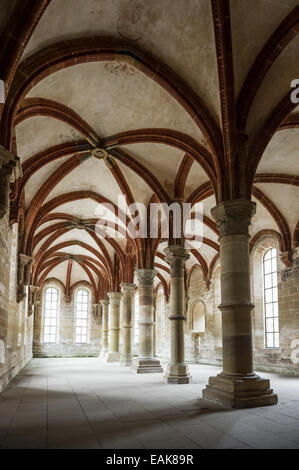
column 179, row 32
column 113, row 101
column 114, row 97
column 286, row 201
column 162, row 161
column 196, row 178
column 261, row 220
column 40, row 177
column 39, row 133
column 251, row 28
column 282, row 153
column 275, row 86
column 89, row 176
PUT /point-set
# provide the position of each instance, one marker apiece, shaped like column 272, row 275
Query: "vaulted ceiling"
column 144, row 81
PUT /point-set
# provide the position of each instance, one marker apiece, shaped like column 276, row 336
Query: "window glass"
column 271, row 299
column 50, row 314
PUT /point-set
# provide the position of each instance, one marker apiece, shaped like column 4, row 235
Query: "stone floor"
column 85, row 403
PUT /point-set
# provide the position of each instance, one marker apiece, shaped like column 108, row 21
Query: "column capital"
column 176, row 255
column 127, row 287
column 25, row 259
column 33, row 288
column 114, row 297
column 146, row 276
column 233, row 217
column 173, row 252
column 10, row 163
column 104, row 302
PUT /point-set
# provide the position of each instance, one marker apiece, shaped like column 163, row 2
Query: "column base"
column 240, row 392
column 126, row 360
column 177, row 374
column 146, row 366
column 103, row 353
column 112, row 357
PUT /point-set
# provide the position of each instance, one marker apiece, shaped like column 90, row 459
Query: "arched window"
column 271, row 299
column 199, row 318
column 50, row 314
column 136, row 318
column 82, row 316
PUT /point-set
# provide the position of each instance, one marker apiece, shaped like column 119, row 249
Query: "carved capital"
column 104, row 302
column 114, row 297
column 234, row 217
column 128, row 288
column 145, row 276
column 24, row 259
column 176, row 256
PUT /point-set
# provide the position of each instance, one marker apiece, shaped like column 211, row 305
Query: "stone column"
column 127, row 291
column 237, row 386
column 145, row 362
column 113, row 354
column 105, row 313
column 177, row 370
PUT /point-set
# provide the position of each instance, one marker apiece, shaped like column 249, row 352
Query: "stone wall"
column 203, row 346
column 16, row 327
column 65, row 345
column 200, row 347
column 283, row 359
column 206, row 346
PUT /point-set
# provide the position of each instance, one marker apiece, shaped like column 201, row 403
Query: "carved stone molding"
column 10, row 170
column 114, row 297
column 128, row 288
column 176, row 256
column 24, row 264
column 233, row 217
column 33, row 290
column 104, row 302
column 145, row 276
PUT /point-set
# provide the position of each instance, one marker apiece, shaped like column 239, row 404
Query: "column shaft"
column 145, row 362
column 127, row 291
column 105, row 313
column 113, row 322
column 177, row 370
column 237, row 386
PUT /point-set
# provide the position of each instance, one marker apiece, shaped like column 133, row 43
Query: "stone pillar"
column 105, row 316
column 127, row 291
column 145, row 362
column 177, row 370
column 237, row 386
column 113, row 354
